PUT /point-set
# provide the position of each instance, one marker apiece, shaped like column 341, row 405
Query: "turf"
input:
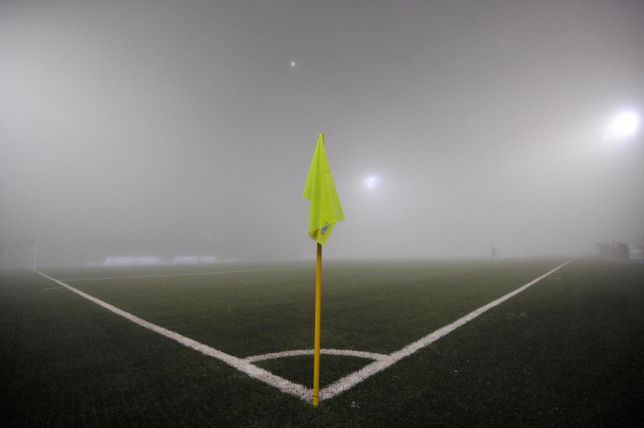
column 372, row 307
column 565, row 352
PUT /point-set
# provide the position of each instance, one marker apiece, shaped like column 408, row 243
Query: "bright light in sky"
column 623, row 126
column 293, row 64
column 372, row 182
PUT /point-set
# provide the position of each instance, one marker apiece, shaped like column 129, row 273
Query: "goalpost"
column 34, row 254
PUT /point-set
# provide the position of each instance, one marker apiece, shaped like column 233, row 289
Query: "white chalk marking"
column 371, row 369
column 301, row 352
column 170, row 275
column 295, row 389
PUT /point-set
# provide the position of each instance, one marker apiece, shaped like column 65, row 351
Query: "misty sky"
column 167, row 128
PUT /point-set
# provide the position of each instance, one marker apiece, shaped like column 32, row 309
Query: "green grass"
column 565, row 352
column 377, row 307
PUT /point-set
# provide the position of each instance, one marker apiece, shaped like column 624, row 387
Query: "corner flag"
column 319, row 189
column 325, row 212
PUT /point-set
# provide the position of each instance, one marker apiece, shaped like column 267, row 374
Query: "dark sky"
column 180, row 127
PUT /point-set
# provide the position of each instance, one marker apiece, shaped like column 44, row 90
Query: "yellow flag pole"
column 318, row 316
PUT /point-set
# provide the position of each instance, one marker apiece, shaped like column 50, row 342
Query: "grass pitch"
column 567, row 351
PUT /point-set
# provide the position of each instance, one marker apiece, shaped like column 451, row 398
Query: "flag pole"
column 318, row 316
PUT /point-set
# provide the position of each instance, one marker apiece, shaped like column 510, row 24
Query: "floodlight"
column 372, row 182
column 624, row 125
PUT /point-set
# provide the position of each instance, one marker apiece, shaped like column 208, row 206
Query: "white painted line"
column 170, row 275
column 295, row 389
column 301, row 352
column 371, row 369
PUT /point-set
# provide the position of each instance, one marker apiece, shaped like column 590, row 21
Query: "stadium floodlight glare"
column 624, row 125
column 372, row 182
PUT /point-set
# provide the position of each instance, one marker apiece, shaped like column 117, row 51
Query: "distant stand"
column 493, row 252
column 614, row 250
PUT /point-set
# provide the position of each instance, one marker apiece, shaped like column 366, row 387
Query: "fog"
column 178, row 128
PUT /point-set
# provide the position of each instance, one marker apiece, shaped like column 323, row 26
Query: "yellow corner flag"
column 319, row 189
column 325, row 212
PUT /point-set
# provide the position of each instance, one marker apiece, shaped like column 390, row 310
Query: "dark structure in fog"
column 616, row 250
